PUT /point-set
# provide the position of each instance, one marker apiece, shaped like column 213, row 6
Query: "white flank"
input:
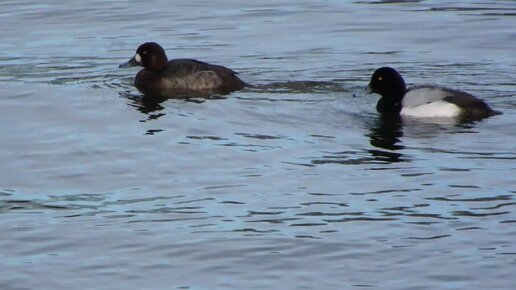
column 431, row 110
column 138, row 58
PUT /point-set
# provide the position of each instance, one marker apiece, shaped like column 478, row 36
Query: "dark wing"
column 460, row 98
column 227, row 78
column 179, row 68
column 473, row 107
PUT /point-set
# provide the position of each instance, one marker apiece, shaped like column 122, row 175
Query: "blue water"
column 296, row 183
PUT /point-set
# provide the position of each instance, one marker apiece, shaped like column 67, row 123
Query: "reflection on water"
column 146, row 105
column 149, row 104
column 291, row 182
column 386, row 134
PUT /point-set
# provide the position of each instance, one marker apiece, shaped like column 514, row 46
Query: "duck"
column 161, row 76
column 424, row 101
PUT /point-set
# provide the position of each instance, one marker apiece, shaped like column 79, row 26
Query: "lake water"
column 296, row 183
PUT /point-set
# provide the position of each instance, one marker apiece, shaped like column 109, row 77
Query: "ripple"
column 291, row 182
column 360, row 219
column 429, row 238
column 260, row 136
column 29, row 205
column 476, row 214
column 390, row 1
column 360, row 158
column 478, row 199
column 299, row 87
column 85, row 72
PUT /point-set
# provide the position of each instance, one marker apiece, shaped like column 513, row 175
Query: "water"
column 296, row 183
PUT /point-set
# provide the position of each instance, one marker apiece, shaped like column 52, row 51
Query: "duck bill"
column 132, row 62
column 369, row 89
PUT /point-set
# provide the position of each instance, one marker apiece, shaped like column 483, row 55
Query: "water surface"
column 295, row 183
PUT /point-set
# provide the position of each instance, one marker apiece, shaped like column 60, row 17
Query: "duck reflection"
column 152, row 104
column 386, row 133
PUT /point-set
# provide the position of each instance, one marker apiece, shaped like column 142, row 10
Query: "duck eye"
column 380, row 78
column 144, row 52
